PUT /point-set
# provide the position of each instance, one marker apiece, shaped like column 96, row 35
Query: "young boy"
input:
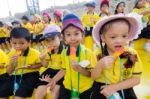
column 23, row 64
column 88, row 20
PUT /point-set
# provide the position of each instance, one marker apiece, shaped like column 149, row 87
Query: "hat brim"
column 89, row 4
column 79, row 26
column 49, row 35
column 132, row 21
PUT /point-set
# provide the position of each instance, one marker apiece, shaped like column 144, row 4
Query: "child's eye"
column 76, row 33
column 124, row 36
column 112, row 37
column 67, row 34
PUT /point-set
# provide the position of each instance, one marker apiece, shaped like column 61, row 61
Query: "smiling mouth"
column 117, row 47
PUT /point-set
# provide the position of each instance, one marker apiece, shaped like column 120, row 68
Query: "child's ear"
column 102, row 38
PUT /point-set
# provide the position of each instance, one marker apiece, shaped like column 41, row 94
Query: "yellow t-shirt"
column 85, row 82
column 32, row 58
column 86, row 19
column 147, row 17
column 55, row 61
column 3, row 61
column 28, row 26
column 112, row 75
column 38, row 28
column 4, row 32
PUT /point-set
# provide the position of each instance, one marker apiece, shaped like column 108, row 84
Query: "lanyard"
column 78, row 72
column 17, row 85
column 120, row 78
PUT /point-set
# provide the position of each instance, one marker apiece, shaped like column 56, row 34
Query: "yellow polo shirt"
column 85, row 82
column 117, row 71
column 86, row 19
column 3, row 61
column 32, row 58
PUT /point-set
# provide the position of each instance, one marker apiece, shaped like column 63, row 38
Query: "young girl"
column 119, row 67
column 51, row 58
column 77, row 61
column 120, row 8
column 58, row 18
column 104, row 8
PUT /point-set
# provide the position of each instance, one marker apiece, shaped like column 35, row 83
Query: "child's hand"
column 24, row 67
column 43, row 55
column 108, row 90
column 52, row 84
column 75, row 65
column 107, row 61
column 46, row 78
column 13, row 60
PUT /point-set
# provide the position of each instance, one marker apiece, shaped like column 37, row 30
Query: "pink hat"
column 132, row 21
column 46, row 14
column 58, row 13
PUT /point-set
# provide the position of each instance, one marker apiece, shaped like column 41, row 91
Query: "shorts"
column 29, row 80
column 5, row 85
column 128, row 93
column 66, row 94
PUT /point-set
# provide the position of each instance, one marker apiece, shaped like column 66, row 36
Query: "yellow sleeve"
column 38, row 28
column 93, row 60
column 83, row 20
column 38, row 58
column 29, row 27
column 137, row 68
column 136, row 10
column 63, row 56
column 3, row 58
column 97, row 17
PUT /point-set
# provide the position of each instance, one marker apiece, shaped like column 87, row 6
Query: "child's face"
column 105, row 8
column 116, row 37
column 45, row 18
column 53, row 42
column 90, row 8
column 121, row 8
column 73, row 36
column 141, row 3
column 20, row 44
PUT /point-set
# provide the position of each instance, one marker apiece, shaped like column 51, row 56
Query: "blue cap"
column 92, row 3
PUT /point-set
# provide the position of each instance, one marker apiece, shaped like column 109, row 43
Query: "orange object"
column 50, row 49
column 118, row 52
column 72, row 52
column 19, row 52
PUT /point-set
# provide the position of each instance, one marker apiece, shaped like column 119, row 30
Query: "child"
column 51, row 58
column 77, row 61
column 26, row 23
column 88, row 20
column 116, row 72
column 140, row 8
column 58, row 18
column 120, row 8
column 104, row 8
column 16, row 23
column 24, row 63
column 4, row 77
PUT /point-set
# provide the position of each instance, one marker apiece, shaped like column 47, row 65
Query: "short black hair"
column 15, row 22
column 20, row 32
column 25, row 18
